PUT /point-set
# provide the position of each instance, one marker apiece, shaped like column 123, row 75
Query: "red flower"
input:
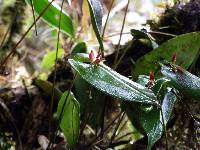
column 174, row 58
column 151, row 76
column 151, row 82
column 96, row 60
column 91, row 56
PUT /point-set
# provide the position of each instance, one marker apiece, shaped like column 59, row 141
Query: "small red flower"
column 174, row 58
column 98, row 58
column 91, row 56
column 151, row 82
column 174, row 69
column 94, row 59
column 151, row 76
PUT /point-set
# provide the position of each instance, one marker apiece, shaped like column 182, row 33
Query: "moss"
column 179, row 19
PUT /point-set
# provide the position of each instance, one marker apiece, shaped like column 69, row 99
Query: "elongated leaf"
column 69, row 110
column 49, row 59
column 150, row 120
column 52, row 16
column 142, row 34
column 184, row 81
column 80, row 47
column 185, row 46
column 112, row 83
column 82, row 57
column 46, row 86
column 96, row 18
column 91, row 101
column 160, row 83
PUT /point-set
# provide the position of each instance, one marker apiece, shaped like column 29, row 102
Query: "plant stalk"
column 55, row 69
column 118, row 46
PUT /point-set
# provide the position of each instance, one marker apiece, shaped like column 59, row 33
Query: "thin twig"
column 34, row 17
column 55, row 69
column 105, row 129
column 4, row 37
column 151, row 32
column 162, row 33
column 104, row 28
column 122, row 56
column 123, row 125
column 127, row 134
column 13, row 51
column 116, row 128
column 116, row 34
column 118, row 46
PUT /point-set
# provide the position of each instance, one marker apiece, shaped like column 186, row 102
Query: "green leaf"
column 112, row 83
column 46, row 86
column 150, row 120
column 49, row 59
column 91, row 102
column 52, row 16
column 142, row 34
column 182, row 80
column 82, row 57
column 96, row 19
column 69, row 111
column 185, row 46
column 80, row 47
column 160, row 84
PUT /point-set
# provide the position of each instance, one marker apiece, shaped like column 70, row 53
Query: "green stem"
column 117, row 127
column 34, row 17
column 104, row 29
column 4, row 37
column 118, row 46
column 55, row 69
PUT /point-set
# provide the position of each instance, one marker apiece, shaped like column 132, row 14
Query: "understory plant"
column 148, row 101
column 158, row 82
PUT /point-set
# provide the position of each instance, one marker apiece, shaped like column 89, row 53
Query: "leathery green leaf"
column 49, row 59
column 186, row 47
column 112, row 83
column 91, row 101
column 96, row 19
column 80, row 47
column 149, row 120
column 46, row 86
column 182, row 80
column 140, row 34
column 153, row 121
column 69, row 112
column 52, row 16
